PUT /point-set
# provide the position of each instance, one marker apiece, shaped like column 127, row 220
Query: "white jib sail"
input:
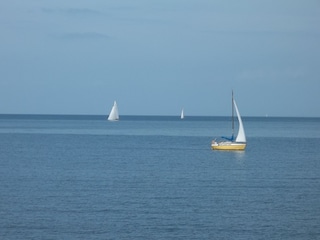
column 114, row 114
column 241, row 134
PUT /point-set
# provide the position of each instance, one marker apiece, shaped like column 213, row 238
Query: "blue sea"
column 156, row 177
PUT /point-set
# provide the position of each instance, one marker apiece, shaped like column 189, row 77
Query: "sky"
column 157, row 57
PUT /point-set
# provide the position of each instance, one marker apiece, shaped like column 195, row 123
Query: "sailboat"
column 114, row 113
column 182, row 114
column 239, row 143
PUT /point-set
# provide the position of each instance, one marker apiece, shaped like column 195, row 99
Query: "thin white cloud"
column 273, row 75
column 84, row 35
column 72, row 11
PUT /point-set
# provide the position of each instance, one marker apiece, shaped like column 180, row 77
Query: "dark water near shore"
column 82, row 177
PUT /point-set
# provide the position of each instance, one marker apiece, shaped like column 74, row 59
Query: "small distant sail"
column 182, row 114
column 114, row 113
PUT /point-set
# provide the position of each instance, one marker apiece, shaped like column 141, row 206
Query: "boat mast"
column 232, row 116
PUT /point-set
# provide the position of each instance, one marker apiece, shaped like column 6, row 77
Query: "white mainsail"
column 114, row 113
column 241, row 137
column 182, row 114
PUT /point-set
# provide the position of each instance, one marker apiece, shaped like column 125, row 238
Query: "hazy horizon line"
column 150, row 115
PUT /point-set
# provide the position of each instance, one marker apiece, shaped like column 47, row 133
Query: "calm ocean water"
column 82, row 177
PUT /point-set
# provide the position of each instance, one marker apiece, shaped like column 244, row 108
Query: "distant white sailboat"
column 182, row 114
column 114, row 113
column 240, row 142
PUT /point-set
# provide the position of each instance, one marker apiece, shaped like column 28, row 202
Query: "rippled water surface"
column 82, row 177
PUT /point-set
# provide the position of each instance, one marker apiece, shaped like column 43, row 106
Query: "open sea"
column 156, row 177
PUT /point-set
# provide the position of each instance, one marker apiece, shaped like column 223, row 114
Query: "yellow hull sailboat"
column 228, row 145
column 240, row 142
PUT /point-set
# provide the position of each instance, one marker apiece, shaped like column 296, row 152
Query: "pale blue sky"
column 156, row 56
